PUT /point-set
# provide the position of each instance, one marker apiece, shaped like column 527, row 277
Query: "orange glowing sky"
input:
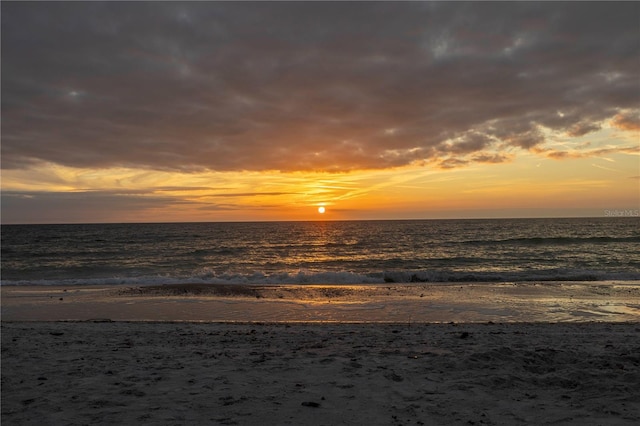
column 207, row 111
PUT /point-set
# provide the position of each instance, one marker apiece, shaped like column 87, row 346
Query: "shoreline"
column 602, row 301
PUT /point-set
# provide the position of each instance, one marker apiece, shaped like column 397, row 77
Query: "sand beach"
column 78, row 356
column 77, row 373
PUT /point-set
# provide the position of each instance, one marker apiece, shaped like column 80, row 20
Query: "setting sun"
column 321, row 210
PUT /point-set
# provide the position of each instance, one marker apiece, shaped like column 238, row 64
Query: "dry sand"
column 517, row 354
column 80, row 373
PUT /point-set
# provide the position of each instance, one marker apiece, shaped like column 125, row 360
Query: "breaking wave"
column 305, row 277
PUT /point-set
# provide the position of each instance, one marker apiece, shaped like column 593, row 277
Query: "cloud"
column 627, row 121
column 185, row 188
column 298, row 86
column 451, row 163
column 110, row 205
column 252, row 194
column 66, row 207
column 574, row 154
column 492, row 158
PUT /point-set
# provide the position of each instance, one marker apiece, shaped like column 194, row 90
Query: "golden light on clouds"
column 450, row 110
column 518, row 187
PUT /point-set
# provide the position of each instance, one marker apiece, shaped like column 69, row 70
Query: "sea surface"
column 494, row 250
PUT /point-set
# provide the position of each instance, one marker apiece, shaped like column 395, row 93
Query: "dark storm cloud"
column 104, row 205
column 66, row 207
column 308, row 86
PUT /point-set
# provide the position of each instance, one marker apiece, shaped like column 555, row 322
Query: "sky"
column 251, row 111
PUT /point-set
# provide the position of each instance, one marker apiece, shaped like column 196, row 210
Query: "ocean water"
column 496, row 250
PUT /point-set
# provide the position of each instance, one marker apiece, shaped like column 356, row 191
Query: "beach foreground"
column 92, row 372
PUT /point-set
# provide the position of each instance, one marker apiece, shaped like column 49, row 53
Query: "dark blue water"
column 323, row 252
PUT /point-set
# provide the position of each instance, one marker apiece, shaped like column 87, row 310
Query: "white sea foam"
column 305, row 277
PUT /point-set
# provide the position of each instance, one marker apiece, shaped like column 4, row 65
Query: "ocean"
column 323, row 252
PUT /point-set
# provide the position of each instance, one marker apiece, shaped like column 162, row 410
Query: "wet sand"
column 433, row 302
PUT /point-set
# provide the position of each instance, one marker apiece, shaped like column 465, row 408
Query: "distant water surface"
column 323, row 252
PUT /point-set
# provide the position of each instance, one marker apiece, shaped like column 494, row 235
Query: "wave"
column 344, row 277
column 508, row 276
column 556, row 240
